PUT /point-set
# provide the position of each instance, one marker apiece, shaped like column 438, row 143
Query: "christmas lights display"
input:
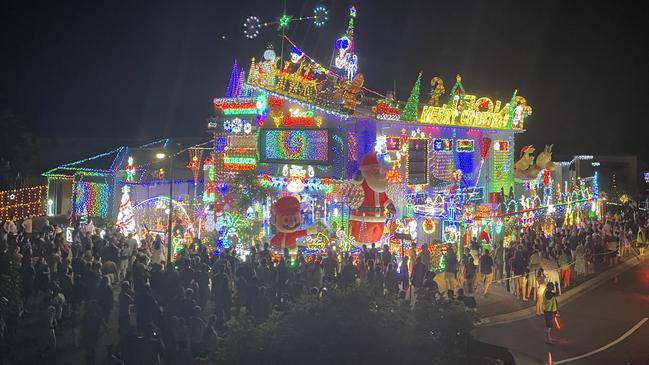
column 125, row 218
column 410, row 111
column 307, row 145
column 23, row 203
column 291, row 138
column 91, row 199
column 252, row 24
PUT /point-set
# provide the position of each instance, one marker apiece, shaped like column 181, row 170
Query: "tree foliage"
column 16, row 150
column 352, row 327
column 247, row 189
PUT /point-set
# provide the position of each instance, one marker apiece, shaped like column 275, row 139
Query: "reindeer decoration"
column 437, row 91
column 544, row 159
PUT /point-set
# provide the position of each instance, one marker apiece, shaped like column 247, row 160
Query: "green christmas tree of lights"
column 410, row 111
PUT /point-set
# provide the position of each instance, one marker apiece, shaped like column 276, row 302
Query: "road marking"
column 605, row 347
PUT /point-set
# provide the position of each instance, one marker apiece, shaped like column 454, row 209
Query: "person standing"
column 27, row 226
column 519, row 266
column 391, row 280
column 640, row 241
column 469, row 275
column 498, row 262
column 404, row 273
column 450, row 268
column 534, row 265
column 564, row 265
column 124, row 307
column 425, row 257
column 550, row 310
column 486, row 271
column 418, row 274
column 222, row 295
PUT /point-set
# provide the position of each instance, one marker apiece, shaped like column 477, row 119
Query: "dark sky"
column 150, row 69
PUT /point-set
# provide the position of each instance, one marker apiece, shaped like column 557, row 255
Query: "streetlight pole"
column 171, row 209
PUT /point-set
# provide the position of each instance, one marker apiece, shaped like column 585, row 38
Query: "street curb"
column 567, row 297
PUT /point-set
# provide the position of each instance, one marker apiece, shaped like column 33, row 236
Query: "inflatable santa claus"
column 368, row 220
column 287, row 218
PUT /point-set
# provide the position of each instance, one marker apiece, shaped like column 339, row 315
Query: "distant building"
column 617, row 174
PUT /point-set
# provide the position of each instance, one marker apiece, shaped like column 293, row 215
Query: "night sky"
column 149, row 69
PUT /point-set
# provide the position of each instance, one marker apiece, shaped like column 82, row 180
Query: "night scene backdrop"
column 145, row 70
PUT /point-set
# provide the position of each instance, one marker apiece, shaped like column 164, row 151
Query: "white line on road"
column 605, row 347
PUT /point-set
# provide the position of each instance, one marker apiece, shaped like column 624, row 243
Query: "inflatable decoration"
column 367, row 221
column 349, row 193
column 526, row 169
column 287, row 218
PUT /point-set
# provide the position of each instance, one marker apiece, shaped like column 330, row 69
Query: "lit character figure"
column 287, row 218
column 268, row 68
column 368, row 220
column 350, row 93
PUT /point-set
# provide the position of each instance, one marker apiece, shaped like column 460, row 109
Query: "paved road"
column 590, row 322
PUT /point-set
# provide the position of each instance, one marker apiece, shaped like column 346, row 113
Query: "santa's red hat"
column 525, row 149
column 369, row 160
column 287, row 205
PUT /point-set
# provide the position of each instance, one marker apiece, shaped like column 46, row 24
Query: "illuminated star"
column 284, row 21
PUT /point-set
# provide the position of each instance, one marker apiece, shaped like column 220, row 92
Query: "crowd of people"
column 178, row 311
column 534, row 258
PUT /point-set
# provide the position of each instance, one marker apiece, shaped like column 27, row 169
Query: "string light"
column 91, row 199
column 23, row 202
column 320, row 16
column 75, row 166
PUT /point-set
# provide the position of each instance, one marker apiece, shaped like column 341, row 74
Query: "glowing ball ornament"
column 320, row 16
column 251, row 27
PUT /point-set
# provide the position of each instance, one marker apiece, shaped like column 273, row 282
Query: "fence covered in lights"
column 23, row 203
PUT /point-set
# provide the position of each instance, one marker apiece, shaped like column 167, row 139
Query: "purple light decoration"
column 233, row 84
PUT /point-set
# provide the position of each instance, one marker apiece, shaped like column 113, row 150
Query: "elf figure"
column 287, row 218
column 368, row 220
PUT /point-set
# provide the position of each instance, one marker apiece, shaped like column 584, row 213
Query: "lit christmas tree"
column 410, row 111
column 125, row 219
column 233, row 85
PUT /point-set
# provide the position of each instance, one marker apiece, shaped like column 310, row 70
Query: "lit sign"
column 445, row 145
column 239, row 163
column 501, row 146
column 237, row 126
column 464, row 145
column 483, row 211
column 298, row 118
column 473, row 114
column 236, row 106
column 386, row 111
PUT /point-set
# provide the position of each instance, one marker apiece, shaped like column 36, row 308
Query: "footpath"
column 500, row 306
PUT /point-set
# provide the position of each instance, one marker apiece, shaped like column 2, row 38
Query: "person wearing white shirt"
column 10, row 227
column 27, row 226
